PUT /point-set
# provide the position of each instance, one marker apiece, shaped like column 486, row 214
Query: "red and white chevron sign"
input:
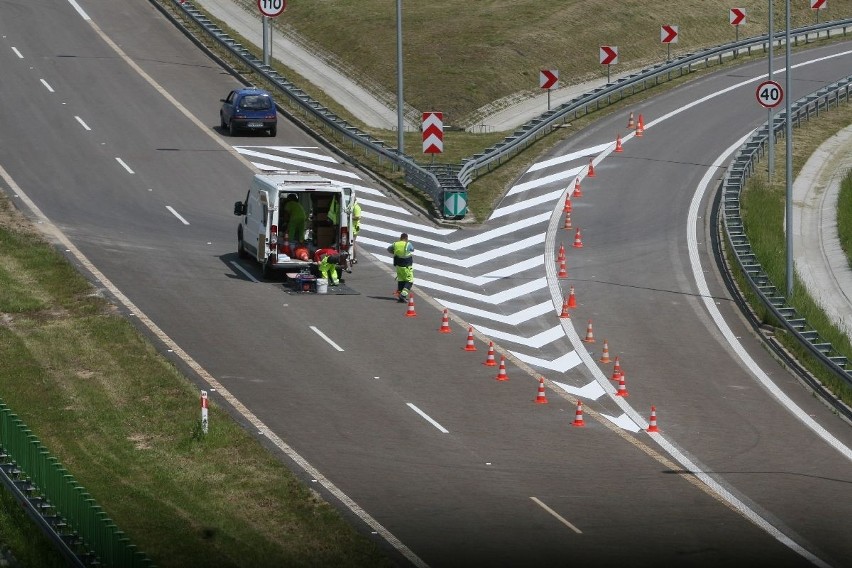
column 548, row 78
column 609, row 54
column 433, row 132
column 738, row 16
column 668, row 34
column 819, row 4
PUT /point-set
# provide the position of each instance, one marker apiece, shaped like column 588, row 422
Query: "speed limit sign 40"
column 769, row 94
column 271, row 8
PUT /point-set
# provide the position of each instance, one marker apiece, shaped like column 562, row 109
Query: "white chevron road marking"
column 369, row 204
column 526, row 204
column 622, row 421
column 489, row 278
column 298, row 163
column 515, row 318
column 561, row 364
column 591, row 391
column 536, row 341
column 533, row 184
column 466, row 262
column 297, row 151
column 497, row 298
column 591, row 150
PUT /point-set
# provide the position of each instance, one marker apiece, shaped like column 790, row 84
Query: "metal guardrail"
column 740, row 169
column 437, row 180
column 77, row 525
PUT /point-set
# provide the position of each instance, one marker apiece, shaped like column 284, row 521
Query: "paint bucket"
column 322, row 286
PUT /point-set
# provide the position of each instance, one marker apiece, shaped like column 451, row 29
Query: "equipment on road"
column 501, row 370
column 541, row 397
column 445, row 323
column 489, row 359
column 652, row 426
column 470, row 346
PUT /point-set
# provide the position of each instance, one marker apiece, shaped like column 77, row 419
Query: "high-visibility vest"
column 334, row 211
column 401, row 254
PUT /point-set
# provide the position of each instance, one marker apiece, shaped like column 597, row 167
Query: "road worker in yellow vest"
column 327, row 259
column 356, row 227
column 403, row 260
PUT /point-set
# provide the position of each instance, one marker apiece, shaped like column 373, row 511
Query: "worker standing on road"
column 295, row 220
column 356, row 227
column 403, row 260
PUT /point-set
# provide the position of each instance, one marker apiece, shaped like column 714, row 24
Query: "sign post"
column 204, row 422
column 668, row 36
column 547, row 79
column 608, row 56
column 269, row 9
column 817, row 5
column 737, row 17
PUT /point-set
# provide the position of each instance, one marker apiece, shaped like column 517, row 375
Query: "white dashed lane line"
column 428, row 418
column 326, row 338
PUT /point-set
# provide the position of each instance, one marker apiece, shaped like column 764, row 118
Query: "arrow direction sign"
column 819, row 4
column 433, row 132
column 548, row 78
column 609, row 54
column 668, row 34
column 737, row 16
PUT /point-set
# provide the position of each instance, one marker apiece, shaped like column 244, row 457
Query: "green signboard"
column 455, row 204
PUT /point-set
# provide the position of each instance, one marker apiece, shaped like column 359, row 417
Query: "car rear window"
column 256, row 102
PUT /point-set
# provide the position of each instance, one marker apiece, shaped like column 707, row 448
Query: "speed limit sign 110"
column 271, row 8
column 769, row 94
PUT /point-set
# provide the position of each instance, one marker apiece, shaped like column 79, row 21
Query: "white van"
column 277, row 239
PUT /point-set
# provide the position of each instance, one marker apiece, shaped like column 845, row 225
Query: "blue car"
column 248, row 109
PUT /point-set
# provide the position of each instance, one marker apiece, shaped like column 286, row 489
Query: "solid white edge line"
column 236, row 265
column 326, row 338
column 83, row 124
column 80, row 10
column 18, row 53
column 176, row 214
column 427, row 418
column 123, row 165
column 557, row 515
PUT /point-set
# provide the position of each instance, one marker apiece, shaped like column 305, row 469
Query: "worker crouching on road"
column 328, row 259
column 403, row 260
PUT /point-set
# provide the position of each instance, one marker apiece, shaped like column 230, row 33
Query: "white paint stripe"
column 83, row 124
column 511, row 319
column 494, row 299
column 367, row 206
column 591, row 391
column 298, row 151
column 368, row 190
column 526, row 204
column 561, row 364
column 494, row 276
column 590, row 151
column 123, row 165
column 537, row 341
column 704, row 294
column 80, row 10
column 327, row 338
column 533, row 184
column 622, row 421
column 18, row 53
column 555, row 514
column 428, row 418
column 245, row 272
column 297, row 163
column 176, row 214
column 465, row 262
column 45, row 83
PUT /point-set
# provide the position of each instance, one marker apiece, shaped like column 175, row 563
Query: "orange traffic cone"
column 567, row 208
column 618, row 147
column 577, row 191
column 622, row 387
column 445, row 323
column 652, row 426
column 591, row 173
column 630, row 123
column 568, row 225
column 616, row 369
column 561, row 256
column 410, row 313
column 578, row 415
column 489, row 360
column 469, row 346
column 541, row 397
column 640, row 127
column 605, row 353
column 590, row 336
column 578, row 239
column 565, row 307
column 563, row 270
column 501, row 371
column 572, row 299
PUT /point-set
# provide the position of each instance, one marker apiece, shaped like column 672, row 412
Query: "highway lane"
column 435, row 491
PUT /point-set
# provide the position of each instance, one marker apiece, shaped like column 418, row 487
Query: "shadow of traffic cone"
column 652, row 425
column 578, row 192
column 501, row 371
column 616, row 369
column 565, row 307
column 572, row 299
column 618, row 147
column 541, row 397
column 563, row 269
column 622, row 386
column 568, row 226
column 591, row 173
column 469, row 346
column 410, row 313
column 590, row 335
column 489, row 359
column 445, row 323
column 567, row 207
column 578, row 239
column 630, row 124
column 578, row 415
column 605, row 353
column 561, row 256
column 640, row 127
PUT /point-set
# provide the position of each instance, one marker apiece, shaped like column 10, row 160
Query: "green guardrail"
column 64, row 506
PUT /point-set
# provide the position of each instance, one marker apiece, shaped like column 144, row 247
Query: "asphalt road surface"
column 110, row 129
